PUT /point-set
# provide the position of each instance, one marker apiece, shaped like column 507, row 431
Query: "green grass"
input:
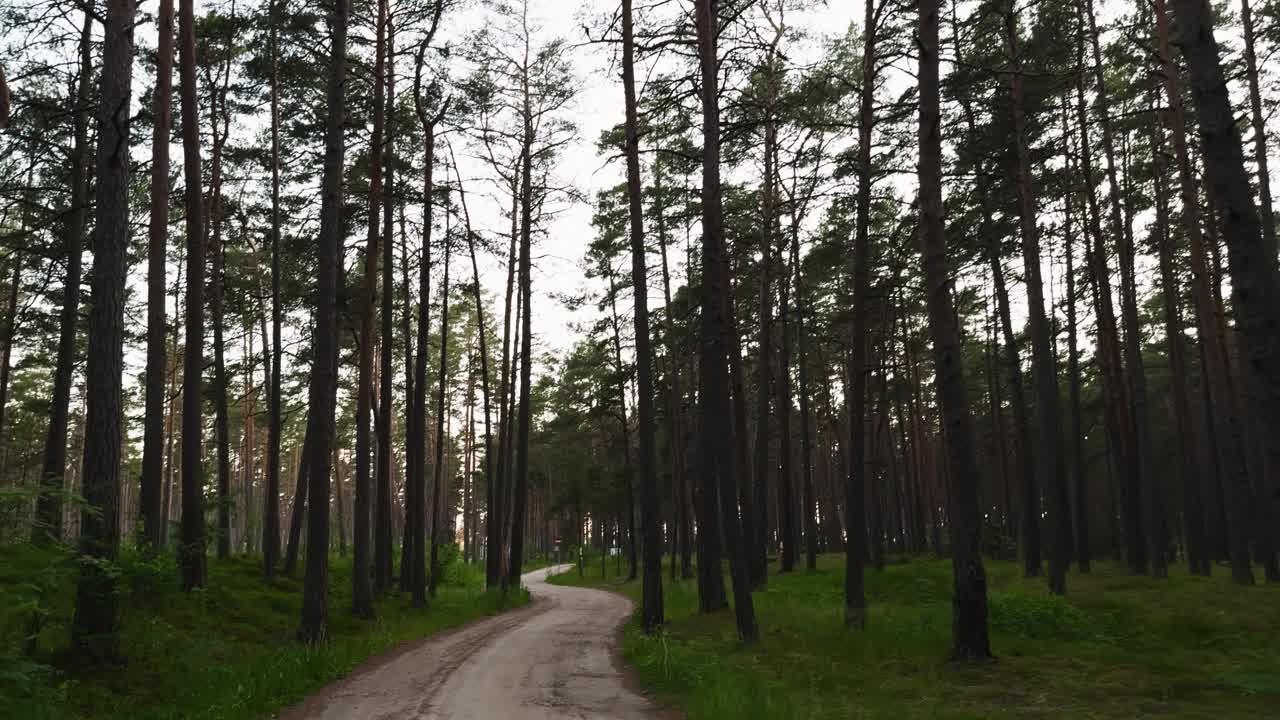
column 1116, row 646
column 224, row 652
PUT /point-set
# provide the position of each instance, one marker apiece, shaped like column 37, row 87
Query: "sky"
column 597, row 107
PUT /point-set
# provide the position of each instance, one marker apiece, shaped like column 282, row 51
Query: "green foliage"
column 1117, row 646
column 1047, row 616
column 226, row 651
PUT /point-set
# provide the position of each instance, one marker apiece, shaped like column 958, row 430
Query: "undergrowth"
column 1116, row 646
column 226, row 651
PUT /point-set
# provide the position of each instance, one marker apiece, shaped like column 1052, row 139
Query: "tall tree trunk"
column 1222, row 150
column 1134, row 456
column 969, row 637
column 758, row 543
column 809, row 513
column 48, row 525
column 362, row 590
column 384, row 116
column 855, row 600
column 482, row 330
column 682, row 528
column 1107, row 354
column 497, row 513
column 271, row 494
column 717, row 464
column 416, row 431
column 191, row 552
column 93, row 628
column 525, row 419
column 651, row 599
column 1251, row 250
column 786, row 491
column 1051, row 456
column 437, row 485
column 624, row 425
column 219, row 114
column 324, row 370
column 1078, row 466
column 1187, row 450
column 158, row 240
column 1028, row 519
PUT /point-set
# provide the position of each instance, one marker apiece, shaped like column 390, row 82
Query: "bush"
column 1038, row 617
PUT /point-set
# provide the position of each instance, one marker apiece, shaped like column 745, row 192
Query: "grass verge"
column 1116, row 646
column 227, row 651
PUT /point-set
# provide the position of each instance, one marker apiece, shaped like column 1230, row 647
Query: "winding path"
column 555, row 658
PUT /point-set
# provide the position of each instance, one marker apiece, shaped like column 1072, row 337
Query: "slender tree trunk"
column 1052, row 456
column 717, row 464
column 1078, row 465
column 362, row 590
column 324, row 371
column 1187, row 450
column 652, row 610
column 682, row 528
column 271, row 506
column 758, row 543
column 416, row 446
column 341, row 502
column 437, row 486
column 786, row 491
column 384, row 116
column 191, row 552
column 219, row 114
column 482, row 330
column 1130, row 465
column 969, row 637
column 48, row 525
column 855, row 600
column 1222, row 149
column 497, row 513
column 809, row 507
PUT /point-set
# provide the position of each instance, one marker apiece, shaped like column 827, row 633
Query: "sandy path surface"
column 555, row 658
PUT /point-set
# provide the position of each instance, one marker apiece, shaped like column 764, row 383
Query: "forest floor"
column 1117, row 646
column 227, row 651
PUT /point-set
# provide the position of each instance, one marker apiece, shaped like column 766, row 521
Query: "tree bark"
column 1052, row 458
column 324, row 371
column 362, row 590
column 382, row 497
column 437, row 485
column 855, row 600
column 271, row 493
column 220, row 114
column 1221, row 147
column 48, row 525
column 416, row 445
column 157, row 244
column 93, row 628
column 651, row 618
column 969, row 637
column 191, row 551
column 1078, row 466
column 717, row 464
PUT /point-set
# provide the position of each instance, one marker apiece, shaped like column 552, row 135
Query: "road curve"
column 555, row 658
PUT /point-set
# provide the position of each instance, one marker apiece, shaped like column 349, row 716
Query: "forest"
column 902, row 358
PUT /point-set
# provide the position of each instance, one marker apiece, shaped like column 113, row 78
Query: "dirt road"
column 555, row 658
